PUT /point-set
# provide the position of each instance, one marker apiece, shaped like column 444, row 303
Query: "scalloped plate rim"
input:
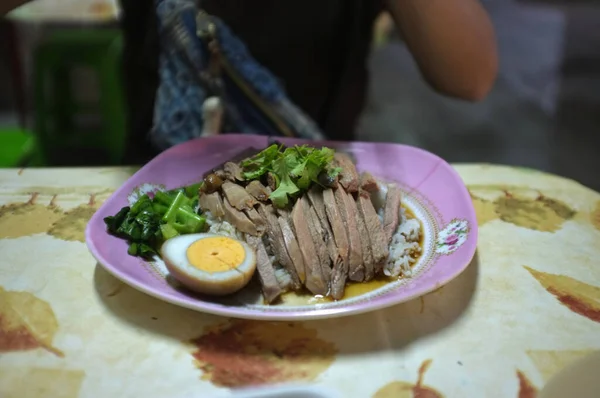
column 256, row 314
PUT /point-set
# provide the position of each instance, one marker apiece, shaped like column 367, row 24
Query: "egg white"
column 174, row 254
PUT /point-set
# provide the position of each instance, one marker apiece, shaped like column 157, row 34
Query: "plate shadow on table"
column 393, row 328
column 141, row 311
column 397, row 327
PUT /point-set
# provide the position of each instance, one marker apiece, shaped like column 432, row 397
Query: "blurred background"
column 543, row 113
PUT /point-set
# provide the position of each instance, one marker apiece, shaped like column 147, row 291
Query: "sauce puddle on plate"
column 352, row 290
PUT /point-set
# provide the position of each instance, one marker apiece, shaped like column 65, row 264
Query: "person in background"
column 319, row 50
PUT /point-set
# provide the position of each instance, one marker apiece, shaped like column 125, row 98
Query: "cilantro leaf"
column 261, row 163
column 294, row 169
column 286, row 186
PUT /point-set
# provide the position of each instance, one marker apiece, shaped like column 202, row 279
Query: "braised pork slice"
column 271, row 181
column 348, row 211
column 367, row 252
column 293, row 249
column 284, row 213
column 391, row 216
column 314, row 278
column 339, row 277
column 339, row 271
column 259, row 222
column 348, row 175
column 337, row 223
column 315, row 195
column 266, row 271
column 258, row 191
column 212, row 202
column 237, row 196
column 233, row 171
column 277, row 242
column 318, row 235
column 368, row 182
column 379, row 245
column 239, row 220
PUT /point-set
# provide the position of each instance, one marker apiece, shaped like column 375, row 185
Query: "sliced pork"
column 391, row 216
column 239, row 219
column 367, row 253
column 237, row 196
column 348, row 175
column 324, row 238
column 319, row 237
column 284, row 213
column 213, row 203
column 315, row 195
column 379, row 246
column 293, row 249
column 259, row 222
column 233, row 172
column 339, row 271
column 314, row 277
column 339, row 277
column 277, row 242
column 348, row 211
column 368, row 182
column 258, row 191
column 266, row 271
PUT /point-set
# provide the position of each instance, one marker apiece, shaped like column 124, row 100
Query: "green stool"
column 55, row 107
column 15, row 147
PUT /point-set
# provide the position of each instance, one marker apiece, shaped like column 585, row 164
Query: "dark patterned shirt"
column 318, row 49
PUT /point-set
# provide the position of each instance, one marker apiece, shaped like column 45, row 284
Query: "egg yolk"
column 216, row 254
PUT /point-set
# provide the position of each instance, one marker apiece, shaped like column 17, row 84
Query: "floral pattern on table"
column 579, row 297
column 526, row 387
column 26, row 323
column 539, row 213
column 247, row 353
column 32, row 217
column 550, row 362
column 402, row 389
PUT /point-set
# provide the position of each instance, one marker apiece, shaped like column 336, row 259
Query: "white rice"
column 219, row 227
column 282, row 275
column 404, row 248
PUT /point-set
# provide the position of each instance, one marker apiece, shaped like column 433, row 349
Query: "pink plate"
column 432, row 190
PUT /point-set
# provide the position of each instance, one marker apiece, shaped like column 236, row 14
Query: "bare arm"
column 7, row 6
column 453, row 42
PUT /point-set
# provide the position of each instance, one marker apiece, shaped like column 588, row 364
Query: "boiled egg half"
column 209, row 263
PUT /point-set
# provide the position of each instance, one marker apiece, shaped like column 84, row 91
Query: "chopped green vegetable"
column 168, row 231
column 169, row 216
column 192, row 190
column 158, row 208
column 163, row 198
column 141, row 250
column 151, row 221
column 294, row 169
